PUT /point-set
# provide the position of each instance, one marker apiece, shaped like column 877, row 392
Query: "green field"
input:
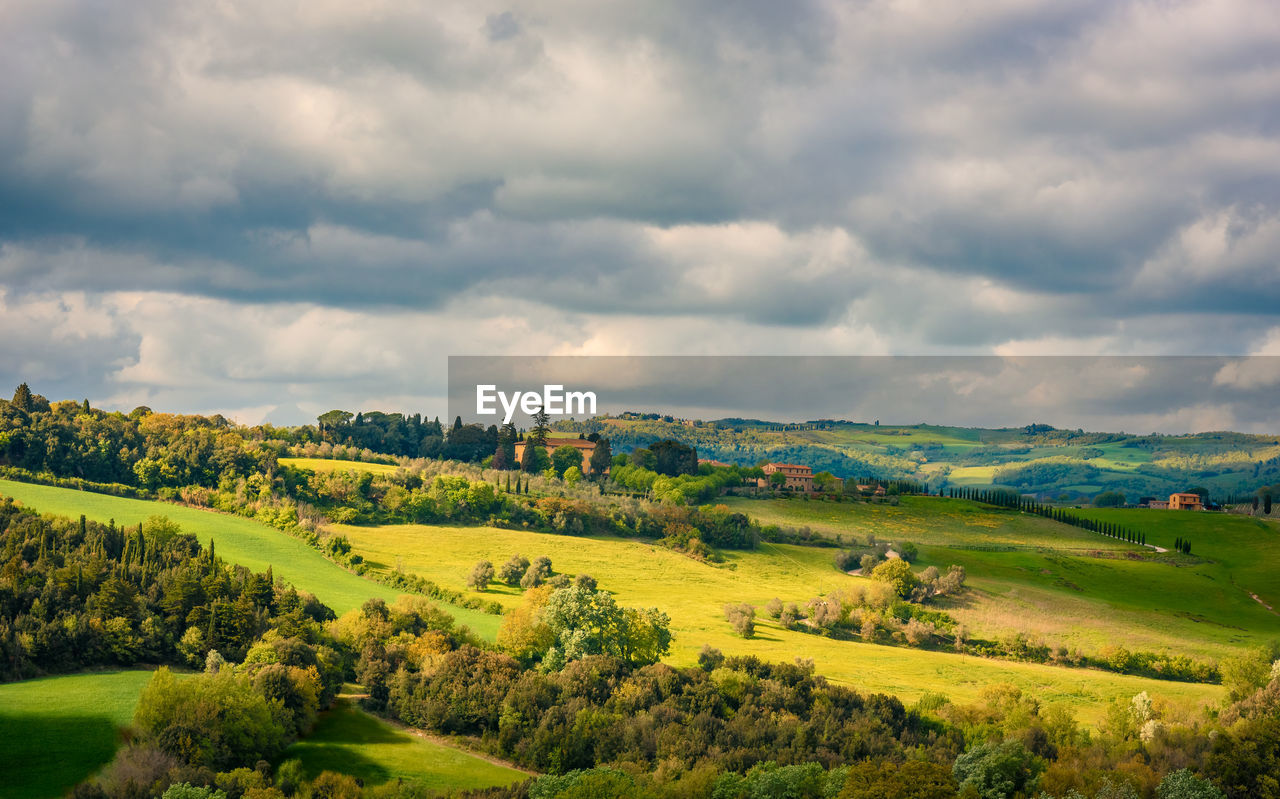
column 237, row 540
column 57, row 731
column 350, row 741
column 1241, row 553
column 333, row 465
column 694, row 595
column 923, row 520
column 1044, row 579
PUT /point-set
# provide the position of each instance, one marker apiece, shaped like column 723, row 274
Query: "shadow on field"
column 337, row 757
column 44, row 755
column 336, row 742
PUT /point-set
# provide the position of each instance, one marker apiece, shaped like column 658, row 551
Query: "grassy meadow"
column 694, row 594
column 333, row 465
column 348, row 740
column 48, row 746
column 236, row 540
column 1072, row 587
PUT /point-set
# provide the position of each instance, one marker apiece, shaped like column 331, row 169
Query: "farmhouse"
column 799, row 478
column 584, row 447
column 1185, row 501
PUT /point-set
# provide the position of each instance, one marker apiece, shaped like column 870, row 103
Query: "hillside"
column 1033, row 459
column 1073, row 588
column 239, row 540
column 694, row 594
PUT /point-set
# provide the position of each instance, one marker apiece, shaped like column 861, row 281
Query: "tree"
column 777, row 480
column 601, row 458
column 214, row 720
column 774, row 608
column 513, row 570
column 897, row 573
column 824, row 481
column 22, row 398
column 534, row 458
column 507, row 446
column 742, row 617
column 671, row 458
column 538, row 432
column 480, row 576
column 573, row 475
column 538, row 572
column 565, row 456
column 885, row 779
column 1182, row 784
column 997, row 771
column 584, row 622
column 1109, row 499
column 1246, row 673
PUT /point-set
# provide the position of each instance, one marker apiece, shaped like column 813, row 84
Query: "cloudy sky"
column 270, row 209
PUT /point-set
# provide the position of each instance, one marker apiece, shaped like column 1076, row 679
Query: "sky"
column 271, row 209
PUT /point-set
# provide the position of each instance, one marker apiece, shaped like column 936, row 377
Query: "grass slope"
column 694, row 595
column 57, row 731
column 1240, row 552
column 350, row 741
column 1045, row 580
column 334, row 465
column 236, row 540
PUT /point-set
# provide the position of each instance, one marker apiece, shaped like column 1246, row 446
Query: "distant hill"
column 1036, row 459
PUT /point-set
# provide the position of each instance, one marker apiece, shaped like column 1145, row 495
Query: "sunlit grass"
column 350, row 741
column 694, row 594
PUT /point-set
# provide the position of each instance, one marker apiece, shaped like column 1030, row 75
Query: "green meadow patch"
column 1071, row 587
column 350, row 741
column 57, row 731
column 236, row 540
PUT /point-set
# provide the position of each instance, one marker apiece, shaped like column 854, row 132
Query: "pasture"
column 319, row 465
column 57, row 731
column 236, row 540
column 1069, row 586
column 350, row 741
column 694, row 595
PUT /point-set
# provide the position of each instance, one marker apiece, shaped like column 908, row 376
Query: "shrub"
column 743, row 619
column 480, row 576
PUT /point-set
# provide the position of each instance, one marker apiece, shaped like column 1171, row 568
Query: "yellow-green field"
column 1043, row 578
column 350, row 741
column 333, row 465
column 694, row 594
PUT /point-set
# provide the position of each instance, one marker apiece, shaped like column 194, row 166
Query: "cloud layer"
column 256, row 178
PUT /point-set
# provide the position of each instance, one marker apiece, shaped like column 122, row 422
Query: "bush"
column 743, row 619
column 480, row 576
column 513, row 570
column 214, row 720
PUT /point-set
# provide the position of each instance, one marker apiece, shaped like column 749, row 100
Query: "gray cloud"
column 1009, row 177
